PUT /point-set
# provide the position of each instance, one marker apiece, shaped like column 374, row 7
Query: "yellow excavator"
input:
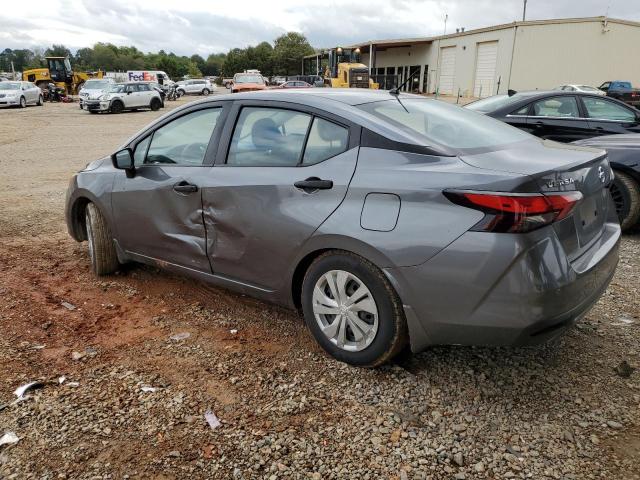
column 60, row 73
column 344, row 70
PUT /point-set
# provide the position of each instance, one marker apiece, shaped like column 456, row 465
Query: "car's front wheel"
column 155, row 104
column 205, row 92
column 40, row 101
column 23, row 102
column 352, row 310
column 625, row 192
column 117, row 107
column 102, row 251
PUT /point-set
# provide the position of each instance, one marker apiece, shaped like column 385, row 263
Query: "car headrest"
column 265, row 133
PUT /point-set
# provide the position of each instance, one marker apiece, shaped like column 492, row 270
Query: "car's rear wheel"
column 102, row 251
column 205, row 92
column 180, row 92
column 352, row 310
column 23, row 102
column 155, row 104
column 117, row 107
column 625, row 192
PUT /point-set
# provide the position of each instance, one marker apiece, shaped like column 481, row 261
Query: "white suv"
column 125, row 96
column 195, row 87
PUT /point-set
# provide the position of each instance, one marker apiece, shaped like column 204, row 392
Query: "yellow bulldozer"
column 60, row 73
column 344, row 70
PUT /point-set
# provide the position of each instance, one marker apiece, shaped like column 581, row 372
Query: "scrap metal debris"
column 180, row 336
column 148, row 389
column 67, row 305
column 20, row 391
column 8, row 438
column 212, row 420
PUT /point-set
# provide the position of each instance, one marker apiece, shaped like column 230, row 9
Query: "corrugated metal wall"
column 585, row 53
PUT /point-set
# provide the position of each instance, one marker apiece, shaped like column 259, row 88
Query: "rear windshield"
column 437, row 122
column 491, row 104
column 9, row 85
column 248, row 79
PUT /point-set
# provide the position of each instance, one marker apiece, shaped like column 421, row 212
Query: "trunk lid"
column 555, row 168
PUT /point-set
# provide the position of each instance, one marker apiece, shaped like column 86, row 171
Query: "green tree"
column 288, row 50
column 57, row 51
column 214, row 64
column 194, row 71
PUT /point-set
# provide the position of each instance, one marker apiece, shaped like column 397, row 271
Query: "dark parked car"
column 622, row 91
column 386, row 219
column 624, row 157
column 561, row 116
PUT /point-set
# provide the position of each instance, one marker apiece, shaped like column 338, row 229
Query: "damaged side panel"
column 156, row 221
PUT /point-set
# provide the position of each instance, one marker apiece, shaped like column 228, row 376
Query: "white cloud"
column 199, row 26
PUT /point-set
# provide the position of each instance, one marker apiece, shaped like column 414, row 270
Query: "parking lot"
column 146, row 354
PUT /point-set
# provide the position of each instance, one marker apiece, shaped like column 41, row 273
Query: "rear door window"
column 601, row 109
column 559, row 107
column 268, row 137
column 326, row 140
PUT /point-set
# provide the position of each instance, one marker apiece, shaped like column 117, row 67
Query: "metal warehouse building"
column 520, row 56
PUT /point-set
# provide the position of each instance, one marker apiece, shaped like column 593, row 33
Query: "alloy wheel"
column 345, row 310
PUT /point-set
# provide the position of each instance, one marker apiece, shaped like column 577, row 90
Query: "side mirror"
column 123, row 160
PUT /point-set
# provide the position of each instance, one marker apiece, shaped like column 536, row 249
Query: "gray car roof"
column 348, row 96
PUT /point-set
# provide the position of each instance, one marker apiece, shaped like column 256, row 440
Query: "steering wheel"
column 193, row 150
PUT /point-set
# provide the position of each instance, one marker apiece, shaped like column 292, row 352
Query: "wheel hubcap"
column 345, row 310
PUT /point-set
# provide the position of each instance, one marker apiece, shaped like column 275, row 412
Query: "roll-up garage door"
column 447, row 70
column 486, row 59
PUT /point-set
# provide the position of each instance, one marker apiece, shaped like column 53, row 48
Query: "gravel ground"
column 146, row 354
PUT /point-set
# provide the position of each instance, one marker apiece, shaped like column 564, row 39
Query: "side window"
column 556, row 107
column 141, row 151
column 183, row 141
column 521, row 111
column 268, row 137
column 131, row 88
column 144, row 87
column 326, row 140
column 607, row 110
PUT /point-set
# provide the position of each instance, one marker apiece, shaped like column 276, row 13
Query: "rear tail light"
column 516, row 212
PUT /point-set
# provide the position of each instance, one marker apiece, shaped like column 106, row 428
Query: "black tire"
column 93, row 111
column 391, row 336
column 40, row 101
column 102, row 251
column 117, row 107
column 23, row 102
column 155, row 104
column 625, row 192
column 205, row 92
column 180, row 92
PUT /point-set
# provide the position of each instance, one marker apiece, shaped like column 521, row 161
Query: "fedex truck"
column 148, row 76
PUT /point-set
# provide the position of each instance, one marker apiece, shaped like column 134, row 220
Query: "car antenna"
column 396, row 91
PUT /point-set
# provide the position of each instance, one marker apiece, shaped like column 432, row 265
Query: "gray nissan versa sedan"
column 387, row 219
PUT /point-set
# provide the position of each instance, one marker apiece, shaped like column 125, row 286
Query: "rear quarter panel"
column 427, row 221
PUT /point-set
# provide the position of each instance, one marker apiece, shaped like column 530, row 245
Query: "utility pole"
column 524, row 11
column 446, row 17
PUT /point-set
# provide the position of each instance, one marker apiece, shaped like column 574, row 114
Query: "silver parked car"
column 125, row 96
column 20, row 94
column 196, row 87
column 93, row 89
column 386, row 219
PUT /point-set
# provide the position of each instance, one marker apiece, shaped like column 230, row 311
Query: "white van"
column 148, row 76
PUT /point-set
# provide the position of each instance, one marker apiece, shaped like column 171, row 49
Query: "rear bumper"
column 499, row 289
